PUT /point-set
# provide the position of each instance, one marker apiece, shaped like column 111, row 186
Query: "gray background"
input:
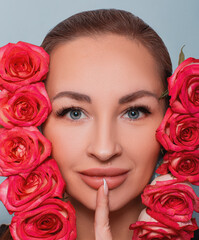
column 176, row 21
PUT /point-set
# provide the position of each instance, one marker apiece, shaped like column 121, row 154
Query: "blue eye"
column 72, row 113
column 135, row 113
column 75, row 114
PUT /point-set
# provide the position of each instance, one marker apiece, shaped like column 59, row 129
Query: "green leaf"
column 181, row 56
column 165, row 93
column 1, row 126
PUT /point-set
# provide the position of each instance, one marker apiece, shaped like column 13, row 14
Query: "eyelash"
column 143, row 109
column 63, row 111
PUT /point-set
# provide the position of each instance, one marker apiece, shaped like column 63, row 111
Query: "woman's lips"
column 94, row 177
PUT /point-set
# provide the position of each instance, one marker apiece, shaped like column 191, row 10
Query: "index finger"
column 102, row 227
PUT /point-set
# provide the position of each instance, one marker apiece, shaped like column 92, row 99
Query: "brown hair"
column 5, row 232
column 104, row 21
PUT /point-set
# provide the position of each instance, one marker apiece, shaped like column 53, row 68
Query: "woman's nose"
column 105, row 144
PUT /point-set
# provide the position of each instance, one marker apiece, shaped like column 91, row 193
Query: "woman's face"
column 105, row 111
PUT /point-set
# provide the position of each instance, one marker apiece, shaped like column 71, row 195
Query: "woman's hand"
column 102, row 227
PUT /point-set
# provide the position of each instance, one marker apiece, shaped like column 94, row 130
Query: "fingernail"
column 105, row 187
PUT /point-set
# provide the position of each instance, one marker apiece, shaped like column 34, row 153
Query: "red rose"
column 169, row 201
column 147, row 228
column 178, row 132
column 27, row 106
column 184, row 87
column 52, row 220
column 21, row 64
column 21, row 150
column 23, row 193
column 182, row 165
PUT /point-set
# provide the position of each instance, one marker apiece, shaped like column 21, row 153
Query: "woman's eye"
column 135, row 113
column 75, row 114
column 72, row 113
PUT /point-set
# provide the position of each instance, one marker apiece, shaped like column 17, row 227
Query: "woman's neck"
column 119, row 220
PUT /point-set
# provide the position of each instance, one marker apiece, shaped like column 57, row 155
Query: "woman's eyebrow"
column 135, row 95
column 73, row 95
column 125, row 99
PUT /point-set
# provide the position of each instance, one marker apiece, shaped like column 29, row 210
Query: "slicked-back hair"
column 106, row 21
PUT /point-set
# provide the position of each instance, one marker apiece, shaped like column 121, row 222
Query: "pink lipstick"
column 114, row 177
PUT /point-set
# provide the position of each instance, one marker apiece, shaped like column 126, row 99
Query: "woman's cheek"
column 68, row 142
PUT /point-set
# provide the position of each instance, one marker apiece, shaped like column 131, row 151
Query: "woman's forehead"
column 102, row 63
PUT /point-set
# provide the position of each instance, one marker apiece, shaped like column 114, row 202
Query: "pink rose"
column 178, row 132
column 53, row 219
column 147, row 228
column 182, row 165
column 21, row 150
column 184, row 87
column 170, row 201
column 26, row 106
column 23, row 193
column 21, row 64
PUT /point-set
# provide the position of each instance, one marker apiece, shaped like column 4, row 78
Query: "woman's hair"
column 5, row 232
column 104, row 21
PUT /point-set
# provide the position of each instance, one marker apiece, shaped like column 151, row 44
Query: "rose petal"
column 53, row 219
column 21, row 150
column 21, row 64
column 27, row 106
column 22, row 193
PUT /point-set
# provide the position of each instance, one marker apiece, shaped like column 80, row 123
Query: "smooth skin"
column 101, row 224
column 115, row 85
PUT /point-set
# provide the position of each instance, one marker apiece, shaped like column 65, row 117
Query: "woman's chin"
column 116, row 201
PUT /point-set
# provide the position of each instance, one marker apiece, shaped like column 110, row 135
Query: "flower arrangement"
column 170, row 199
column 34, row 186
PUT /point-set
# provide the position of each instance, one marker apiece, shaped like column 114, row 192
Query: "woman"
column 108, row 70
column 95, row 59
column 96, row 134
